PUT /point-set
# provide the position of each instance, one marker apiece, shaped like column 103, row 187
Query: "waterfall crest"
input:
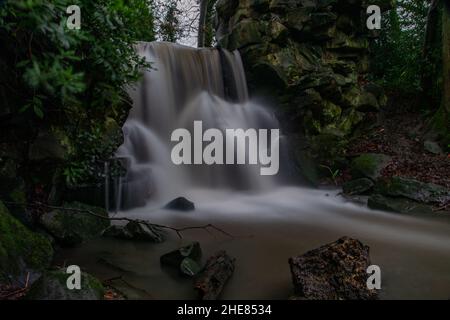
column 187, row 85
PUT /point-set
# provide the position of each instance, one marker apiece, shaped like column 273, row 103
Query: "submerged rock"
column 136, row 231
column 414, row 190
column 336, row 271
column 369, row 165
column 71, row 227
column 358, row 186
column 186, row 259
column 52, row 285
column 181, row 204
column 21, row 250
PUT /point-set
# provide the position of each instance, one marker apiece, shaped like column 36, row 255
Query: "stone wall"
column 312, row 57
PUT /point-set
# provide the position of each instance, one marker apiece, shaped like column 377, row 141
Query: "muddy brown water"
column 268, row 228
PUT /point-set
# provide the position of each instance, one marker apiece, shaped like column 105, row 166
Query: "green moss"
column 18, row 244
column 73, row 227
column 53, row 286
column 369, row 165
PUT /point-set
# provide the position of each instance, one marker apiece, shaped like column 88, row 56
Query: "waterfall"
column 186, row 85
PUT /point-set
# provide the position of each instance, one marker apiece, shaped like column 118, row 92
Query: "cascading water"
column 271, row 225
column 187, row 85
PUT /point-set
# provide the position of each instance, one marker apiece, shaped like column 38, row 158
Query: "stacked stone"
column 312, row 55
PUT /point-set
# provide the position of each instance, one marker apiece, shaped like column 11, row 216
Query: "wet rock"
column 70, row 228
column 397, row 205
column 21, row 250
column 218, row 270
column 180, row 204
column 369, row 165
column 186, row 259
column 336, row 271
column 190, row 267
column 432, row 147
column 136, row 231
column 358, row 186
column 288, row 47
column 53, row 286
column 413, row 190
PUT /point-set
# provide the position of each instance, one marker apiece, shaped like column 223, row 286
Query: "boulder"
column 70, row 227
column 397, row 205
column 21, row 250
column 357, row 186
column 413, row 190
column 180, row 204
column 335, row 271
column 135, row 231
column 369, row 165
column 52, row 285
column 186, row 259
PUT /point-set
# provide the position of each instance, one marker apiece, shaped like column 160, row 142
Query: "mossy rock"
column 369, row 165
column 21, row 250
column 357, row 186
column 397, row 205
column 135, row 231
column 70, row 228
column 52, row 285
column 413, row 190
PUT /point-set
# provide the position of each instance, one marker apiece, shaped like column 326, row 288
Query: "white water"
column 187, row 85
column 270, row 222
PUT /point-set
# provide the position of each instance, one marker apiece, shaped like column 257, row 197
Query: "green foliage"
column 73, row 79
column 397, row 56
column 333, row 173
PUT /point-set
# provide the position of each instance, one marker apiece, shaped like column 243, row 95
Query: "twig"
column 18, row 291
column 441, row 208
column 178, row 231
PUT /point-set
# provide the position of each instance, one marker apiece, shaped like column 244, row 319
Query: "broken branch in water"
column 178, row 231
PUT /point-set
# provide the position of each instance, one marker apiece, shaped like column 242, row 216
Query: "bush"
column 73, row 79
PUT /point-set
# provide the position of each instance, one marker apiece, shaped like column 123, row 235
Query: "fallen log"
column 212, row 279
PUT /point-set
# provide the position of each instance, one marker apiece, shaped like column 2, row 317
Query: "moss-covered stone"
column 397, row 205
column 52, row 285
column 20, row 248
column 414, row 190
column 135, row 231
column 357, row 186
column 369, row 165
column 291, row 47
column 73, row 227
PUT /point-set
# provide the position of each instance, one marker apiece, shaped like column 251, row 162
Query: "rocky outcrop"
column 312, row 56
column 336, row 271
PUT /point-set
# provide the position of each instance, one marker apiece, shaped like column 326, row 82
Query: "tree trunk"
column 430, row 72
column 202, row 23
column 446, row 62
